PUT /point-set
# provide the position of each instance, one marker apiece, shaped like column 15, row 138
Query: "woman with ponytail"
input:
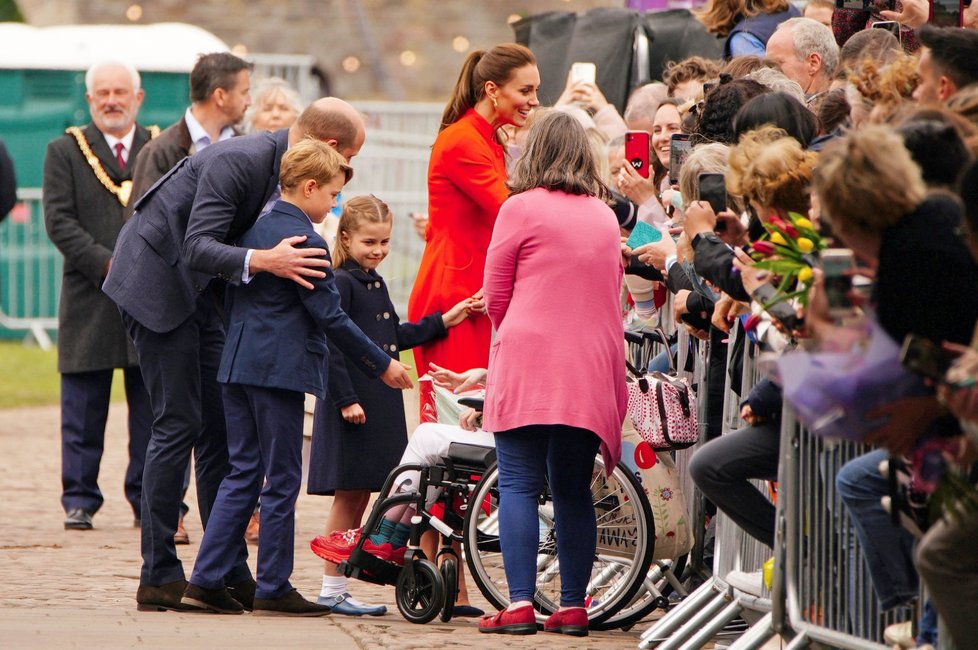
column 466, row 187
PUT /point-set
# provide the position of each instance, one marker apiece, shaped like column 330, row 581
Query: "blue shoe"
column 467, row 611
column 340, row 605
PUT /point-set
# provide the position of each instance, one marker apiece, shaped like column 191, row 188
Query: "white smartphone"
column 583, row 71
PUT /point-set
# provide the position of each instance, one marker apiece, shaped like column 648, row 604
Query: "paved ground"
column 67, row 589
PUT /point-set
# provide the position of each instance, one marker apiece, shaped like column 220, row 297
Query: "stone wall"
column 379, row 34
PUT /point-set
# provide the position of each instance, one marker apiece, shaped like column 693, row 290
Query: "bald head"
column 334, row 122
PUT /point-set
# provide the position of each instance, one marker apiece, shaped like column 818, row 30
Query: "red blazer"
column 466, row 187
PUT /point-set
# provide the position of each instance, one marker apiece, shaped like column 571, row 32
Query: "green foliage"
column 9, row 12
column 29, row 377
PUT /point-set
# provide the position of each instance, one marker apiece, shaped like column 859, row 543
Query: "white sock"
column 333, row 586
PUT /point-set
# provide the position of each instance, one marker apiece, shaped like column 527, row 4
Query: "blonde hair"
column 357, row 211
column 883, row 90
column 867, row 181
column 772, row 169
column 312, row 159
column 720, row 16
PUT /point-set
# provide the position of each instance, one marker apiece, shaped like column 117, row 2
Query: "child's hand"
column 353, row 414
column 478, row 305
column 457, row 381
column 396, row 375
column 458, row 313
column 470, row 419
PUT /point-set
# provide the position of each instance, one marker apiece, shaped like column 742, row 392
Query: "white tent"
column 162, row 47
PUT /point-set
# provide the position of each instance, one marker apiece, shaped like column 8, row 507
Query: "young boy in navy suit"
column 275, row 352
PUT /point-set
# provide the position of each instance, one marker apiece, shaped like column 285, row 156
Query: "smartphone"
column 713, row 190
column 583, row 71
column 679, row 148
column 947, row 13
column 891, row 26
column 866, row 5
column 637, row 151
column 643, row 234
column 836, row 264
column 925, row 358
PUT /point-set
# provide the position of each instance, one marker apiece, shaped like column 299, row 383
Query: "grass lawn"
column 29, row 376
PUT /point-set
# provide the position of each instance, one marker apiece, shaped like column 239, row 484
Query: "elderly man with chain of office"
column 87, row 182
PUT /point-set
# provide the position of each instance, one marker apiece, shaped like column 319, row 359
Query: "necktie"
column 118, row 155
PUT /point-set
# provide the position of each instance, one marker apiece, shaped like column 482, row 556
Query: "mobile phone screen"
column 889, row 25
column 679, row 148
column 946, row 13
column 925, row 358
column 637, row 151
column 835, row 264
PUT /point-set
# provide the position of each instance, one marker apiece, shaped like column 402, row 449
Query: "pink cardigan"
column 552, row 280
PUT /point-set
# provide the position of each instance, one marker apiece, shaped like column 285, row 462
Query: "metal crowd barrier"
column 30, row 271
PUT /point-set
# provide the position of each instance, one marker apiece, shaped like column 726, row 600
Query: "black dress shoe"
column 78, row 519
column 244, row 593
column 291, row 604
column 218, row 601
column 151, row 598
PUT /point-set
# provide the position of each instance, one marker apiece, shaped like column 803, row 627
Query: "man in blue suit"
column 275, row 353
column 168, row 274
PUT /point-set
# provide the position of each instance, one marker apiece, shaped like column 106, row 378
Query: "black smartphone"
column 925, row 358
column 713, row 190
column 679, row 148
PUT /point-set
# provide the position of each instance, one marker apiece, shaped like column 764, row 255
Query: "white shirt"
column 126, row 141
column 199, row 136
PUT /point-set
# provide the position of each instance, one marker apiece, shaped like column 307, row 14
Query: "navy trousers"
column 180, row 371
column 265, row 445
column 84, row 410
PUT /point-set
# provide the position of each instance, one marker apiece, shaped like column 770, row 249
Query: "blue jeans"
column 887, row 549
column 527, row 457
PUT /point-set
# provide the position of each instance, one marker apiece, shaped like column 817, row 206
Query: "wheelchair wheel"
column 420, row 592
column 645, row 601
column 449, row 575
column 622, row 558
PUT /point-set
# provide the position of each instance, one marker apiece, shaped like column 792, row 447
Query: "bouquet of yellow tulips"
column 788, row 250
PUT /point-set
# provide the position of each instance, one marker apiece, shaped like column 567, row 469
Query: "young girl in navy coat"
column 359, row 429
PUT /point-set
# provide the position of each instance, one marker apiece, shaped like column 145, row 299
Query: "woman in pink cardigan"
column 556, row 385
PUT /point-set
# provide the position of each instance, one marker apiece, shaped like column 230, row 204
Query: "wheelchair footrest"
column 366, row 567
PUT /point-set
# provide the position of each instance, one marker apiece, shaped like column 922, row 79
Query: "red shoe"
column 379, row 551
column 337, row 546
column 397, row 555
column 518, row 621
column 572, row 621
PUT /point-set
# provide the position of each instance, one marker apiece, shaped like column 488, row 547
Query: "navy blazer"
column 275, row 327
column 179, row 237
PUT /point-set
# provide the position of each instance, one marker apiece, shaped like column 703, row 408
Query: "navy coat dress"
column 348, row 456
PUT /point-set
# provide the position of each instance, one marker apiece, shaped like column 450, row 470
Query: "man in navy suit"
column 171, row 263
column 275, row 353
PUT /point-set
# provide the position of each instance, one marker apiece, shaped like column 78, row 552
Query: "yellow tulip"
column 776, row 238
column 805, row 245
column 805, row 274
column 802, row 222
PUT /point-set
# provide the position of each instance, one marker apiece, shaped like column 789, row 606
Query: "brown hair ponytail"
column 496, row 65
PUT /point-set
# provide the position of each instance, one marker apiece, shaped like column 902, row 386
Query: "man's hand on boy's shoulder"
column 288, row 259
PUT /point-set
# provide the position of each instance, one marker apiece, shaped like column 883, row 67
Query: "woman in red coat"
column 466, row 186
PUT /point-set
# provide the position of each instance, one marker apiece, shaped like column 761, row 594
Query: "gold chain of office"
column 123, row 190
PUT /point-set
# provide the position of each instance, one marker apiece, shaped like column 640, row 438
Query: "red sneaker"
column 518, row 621
column 397, row 555
column 337, row 546
column 380, row 551
column 572, row 621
